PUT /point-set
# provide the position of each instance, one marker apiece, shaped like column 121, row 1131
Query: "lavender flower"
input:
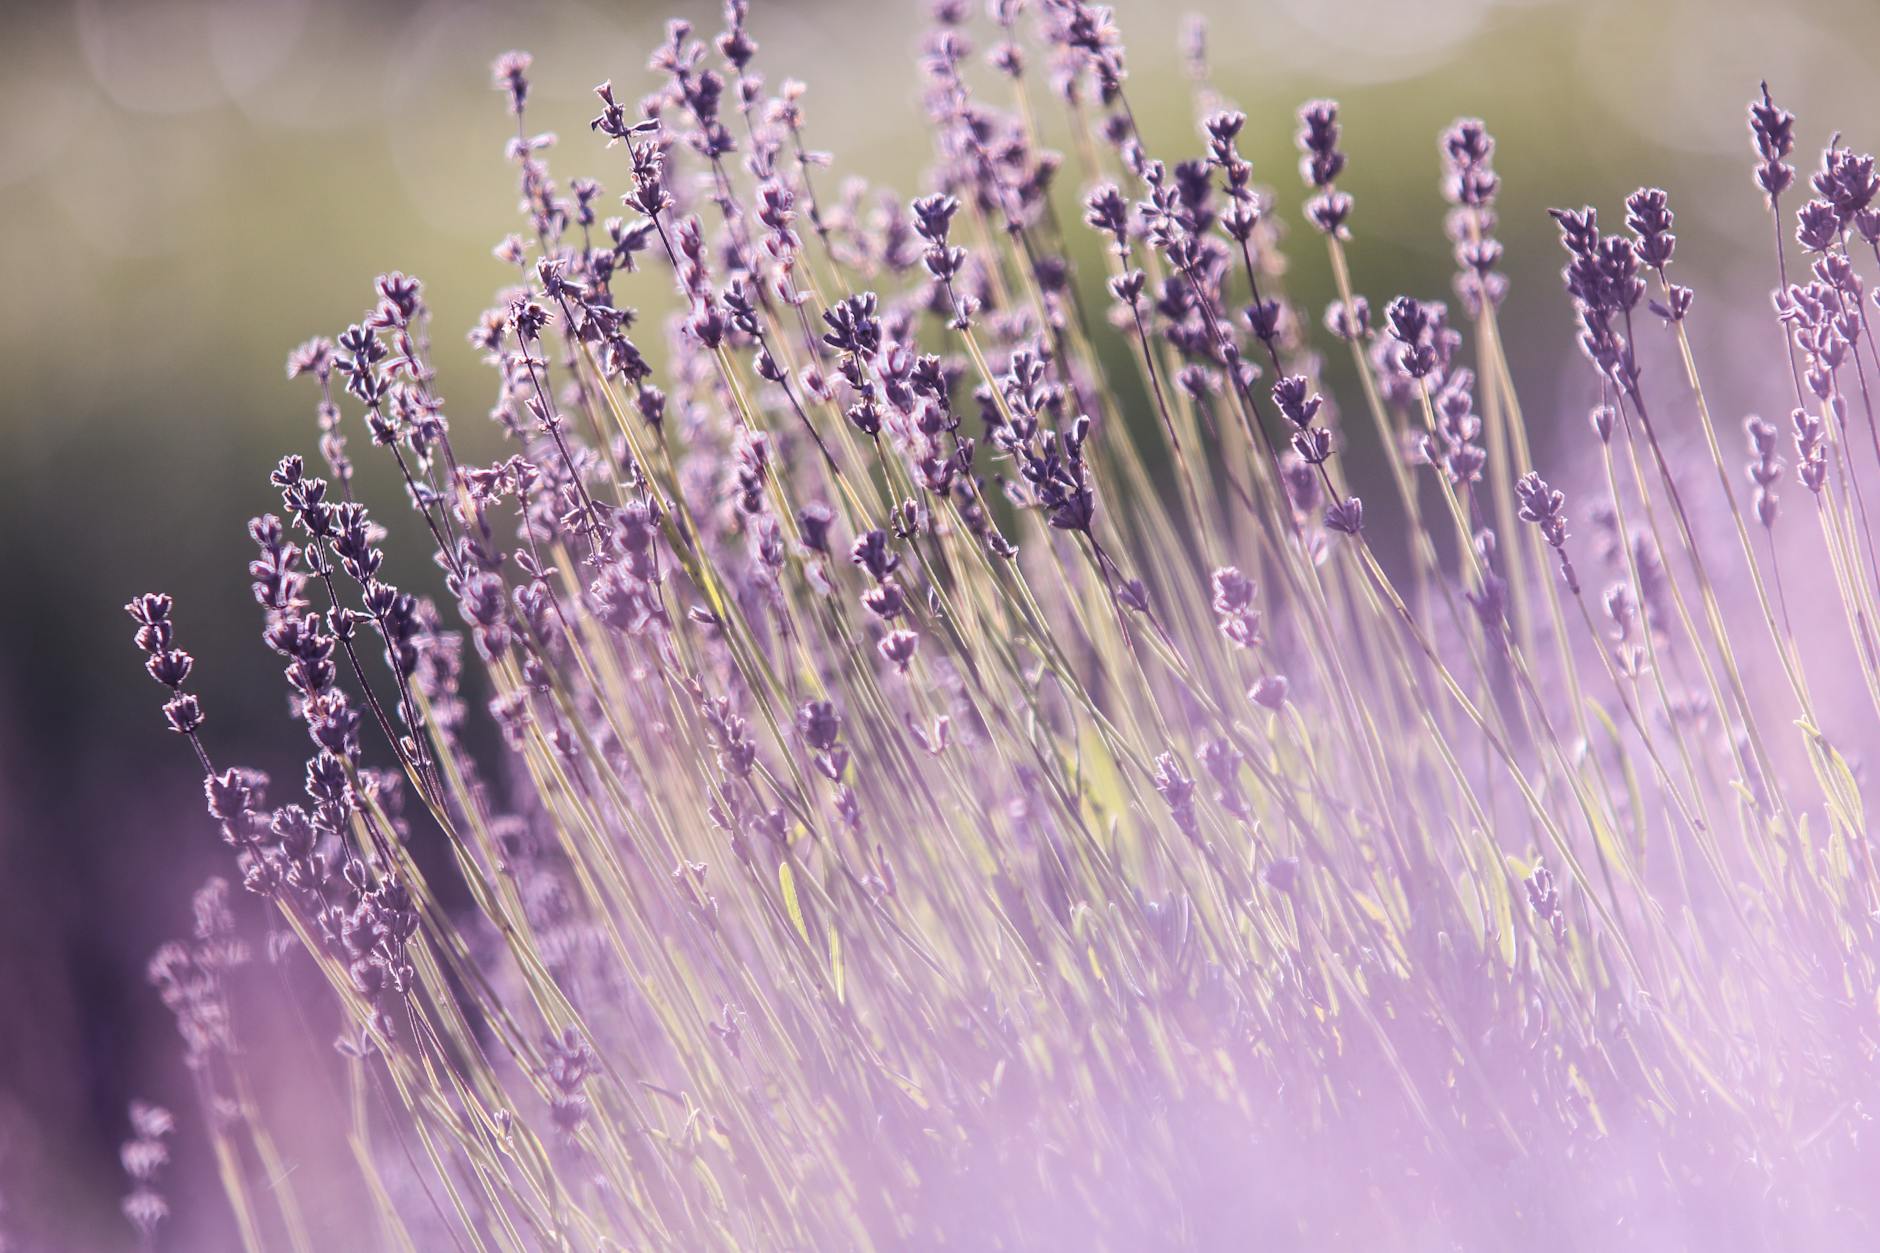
column 827, row 732
column 1545, row 507
column 1772, row 132
column 1765, row 467
column 1320, row 167
column 144, row 1156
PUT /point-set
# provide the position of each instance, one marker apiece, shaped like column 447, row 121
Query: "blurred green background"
column 188, row 188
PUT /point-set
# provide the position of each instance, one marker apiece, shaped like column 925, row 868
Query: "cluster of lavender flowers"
column 942, row 802
column 144, row 1156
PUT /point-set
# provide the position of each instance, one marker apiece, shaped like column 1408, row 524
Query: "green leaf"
column 786, row 878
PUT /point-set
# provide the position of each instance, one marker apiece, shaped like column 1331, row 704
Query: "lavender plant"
column 967, row 778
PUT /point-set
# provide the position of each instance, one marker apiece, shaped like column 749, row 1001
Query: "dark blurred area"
column 189, row 188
